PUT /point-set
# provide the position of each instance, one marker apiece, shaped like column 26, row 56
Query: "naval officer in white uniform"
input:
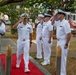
column 24, row 40
column 47, row 37
column 63, row 34
column 2, row 27
column 39, row 36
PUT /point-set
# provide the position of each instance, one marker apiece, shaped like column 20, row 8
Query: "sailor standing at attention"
column 47, row 37
column 39, row 36
column 2, row 27
column 24, row 40
column 63, row 35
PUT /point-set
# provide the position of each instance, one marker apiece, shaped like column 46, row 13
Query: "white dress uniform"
column 2, row 28
column 63, row 28
column 45, row 37
column 23, row 42
column 38, row 41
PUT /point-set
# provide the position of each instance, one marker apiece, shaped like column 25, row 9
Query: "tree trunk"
column 5, row 2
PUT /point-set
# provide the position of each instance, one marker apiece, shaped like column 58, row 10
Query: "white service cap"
column 24, row 15
column 61, row 12
column 47, row 15
column 40, row 15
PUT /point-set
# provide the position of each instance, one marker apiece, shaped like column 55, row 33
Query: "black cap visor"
column 61, row 13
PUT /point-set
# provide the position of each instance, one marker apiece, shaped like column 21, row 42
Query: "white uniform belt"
column 61, row 39
column 23, row 39
column 44, row 37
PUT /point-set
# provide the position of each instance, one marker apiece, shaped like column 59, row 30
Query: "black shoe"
column 36, row 58
column 2, row 34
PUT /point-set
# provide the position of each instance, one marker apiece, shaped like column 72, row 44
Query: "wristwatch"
column 31, row 42
column 66, row 44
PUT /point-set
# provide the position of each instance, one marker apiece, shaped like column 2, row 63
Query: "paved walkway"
column 5, row 41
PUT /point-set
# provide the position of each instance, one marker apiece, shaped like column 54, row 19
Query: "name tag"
column 28, row 28
column 60, row 26
column 21, row 27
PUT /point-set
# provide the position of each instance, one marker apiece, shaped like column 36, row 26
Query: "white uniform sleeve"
column 56, row 23
column 67, row 28
column 31, row 29
column 2, row 28
column 50, row 27
column 18, row 25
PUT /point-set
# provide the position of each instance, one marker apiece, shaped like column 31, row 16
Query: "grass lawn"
column 71, row 65
column 71, row 61
column 73, row 46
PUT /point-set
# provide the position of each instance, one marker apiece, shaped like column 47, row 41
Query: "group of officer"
column 2, row 27
column 44, row 37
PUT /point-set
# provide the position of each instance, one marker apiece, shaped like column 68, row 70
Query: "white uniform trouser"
column 39, row 47
column 2, row 31
column 64, row 56
column 46, row 49
column 23, row 45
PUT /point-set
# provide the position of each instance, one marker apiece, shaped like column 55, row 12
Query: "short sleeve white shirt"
column 24, row 31
column 63, row 28
column 39, row 30
column 2, row 28
column 46, row 29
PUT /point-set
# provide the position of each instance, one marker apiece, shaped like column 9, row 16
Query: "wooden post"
column 8, row 59
column 58, row 60
column 0, row 44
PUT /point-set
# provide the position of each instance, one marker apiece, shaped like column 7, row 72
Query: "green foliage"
column 34, row 7
column 0, row 0
column 12, row 12
column 73, row 6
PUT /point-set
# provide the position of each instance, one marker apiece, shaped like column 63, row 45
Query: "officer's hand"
column 41, row 21
column 65, row 47
column 40, row 38
column 21, row 19
column 30, row 44
column 49, row 41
